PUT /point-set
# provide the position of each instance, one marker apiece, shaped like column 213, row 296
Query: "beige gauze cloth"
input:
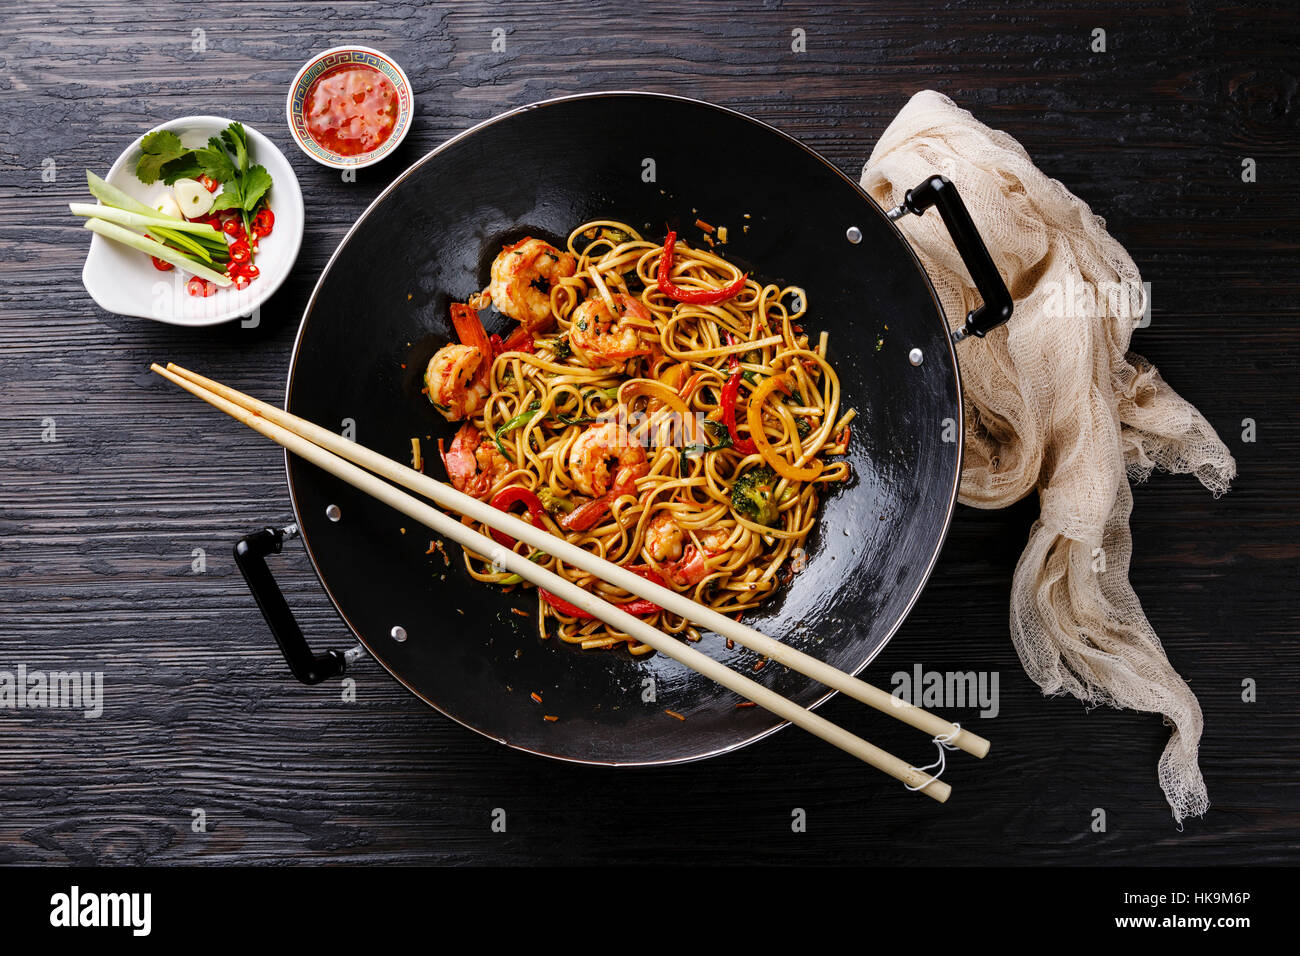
column 1056, row 403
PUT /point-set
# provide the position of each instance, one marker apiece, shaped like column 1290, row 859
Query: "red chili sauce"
column 351, row 109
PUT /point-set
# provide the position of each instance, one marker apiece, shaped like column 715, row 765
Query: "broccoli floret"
column 552, row 502
column 802, row 427
column 753, row 495
column 562, row 349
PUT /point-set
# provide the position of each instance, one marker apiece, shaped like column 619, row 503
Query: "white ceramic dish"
column 124, row 281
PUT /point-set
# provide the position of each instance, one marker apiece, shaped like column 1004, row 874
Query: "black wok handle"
column 250, row 555
column 997, row 306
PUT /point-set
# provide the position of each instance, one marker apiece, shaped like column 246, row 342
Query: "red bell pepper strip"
column 520, row 340
column 694, row 296
column 727, row 403
column 507, row 497
column 640, row 607
column 588, row 513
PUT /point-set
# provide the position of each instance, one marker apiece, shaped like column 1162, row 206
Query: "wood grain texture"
column 97, row 528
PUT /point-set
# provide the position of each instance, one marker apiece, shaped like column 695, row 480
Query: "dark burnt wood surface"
column 97, row 529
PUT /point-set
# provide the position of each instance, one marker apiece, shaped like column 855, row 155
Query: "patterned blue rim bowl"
column 296, row 115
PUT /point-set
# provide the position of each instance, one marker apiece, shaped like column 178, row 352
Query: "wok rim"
column 941, row 538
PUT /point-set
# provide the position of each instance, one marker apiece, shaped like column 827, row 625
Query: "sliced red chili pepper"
column 263, row 222
column 195, row 287
column 234, row 229
column 640, row 607
column 520, row 340
column 695, row 296
column 161, row 266
column 239, row 251
column 250, row 270
column 505, row 498
column 209, row 183
column 242, row 281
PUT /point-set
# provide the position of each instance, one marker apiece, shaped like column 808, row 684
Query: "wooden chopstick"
column 445, row 496
column 518, row 564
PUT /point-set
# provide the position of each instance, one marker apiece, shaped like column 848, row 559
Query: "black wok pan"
column 380, row 310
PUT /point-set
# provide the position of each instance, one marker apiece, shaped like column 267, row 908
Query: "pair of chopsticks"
column 341, row 457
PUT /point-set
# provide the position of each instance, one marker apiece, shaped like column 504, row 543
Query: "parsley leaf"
column 157, row 149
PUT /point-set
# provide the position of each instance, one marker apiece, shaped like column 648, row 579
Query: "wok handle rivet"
column 853, row 234
column 333, row 513
column 398, row 633
column 916, row 356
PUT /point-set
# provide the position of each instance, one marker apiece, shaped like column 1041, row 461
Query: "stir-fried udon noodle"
column 654, row 405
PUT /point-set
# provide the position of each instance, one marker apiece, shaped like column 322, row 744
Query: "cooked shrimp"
column 663, row 537
column 592, row 452
column 684, row 564
column 600, row 339
column 456, row 378
column 521, row 281
column 452, row 382
column 473, row 465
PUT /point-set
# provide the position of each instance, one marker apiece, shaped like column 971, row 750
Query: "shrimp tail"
column 469, row 328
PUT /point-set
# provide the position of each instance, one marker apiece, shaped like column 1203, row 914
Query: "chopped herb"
column 523, row 418
column 157, row 149
column 722, row 439
column 719, row 429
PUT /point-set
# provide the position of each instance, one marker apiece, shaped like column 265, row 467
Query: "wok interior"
column 381, row 310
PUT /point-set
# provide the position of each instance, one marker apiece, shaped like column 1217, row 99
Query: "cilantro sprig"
column 224, row 159
column 164, row 157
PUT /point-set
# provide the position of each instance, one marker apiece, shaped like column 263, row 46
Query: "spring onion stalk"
column 210, row 248
column 215, row 243
column 180, row 240
column 149, row 247
column 187, row 245
column 109, row 194
column 173, row 236
column 138, row 220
